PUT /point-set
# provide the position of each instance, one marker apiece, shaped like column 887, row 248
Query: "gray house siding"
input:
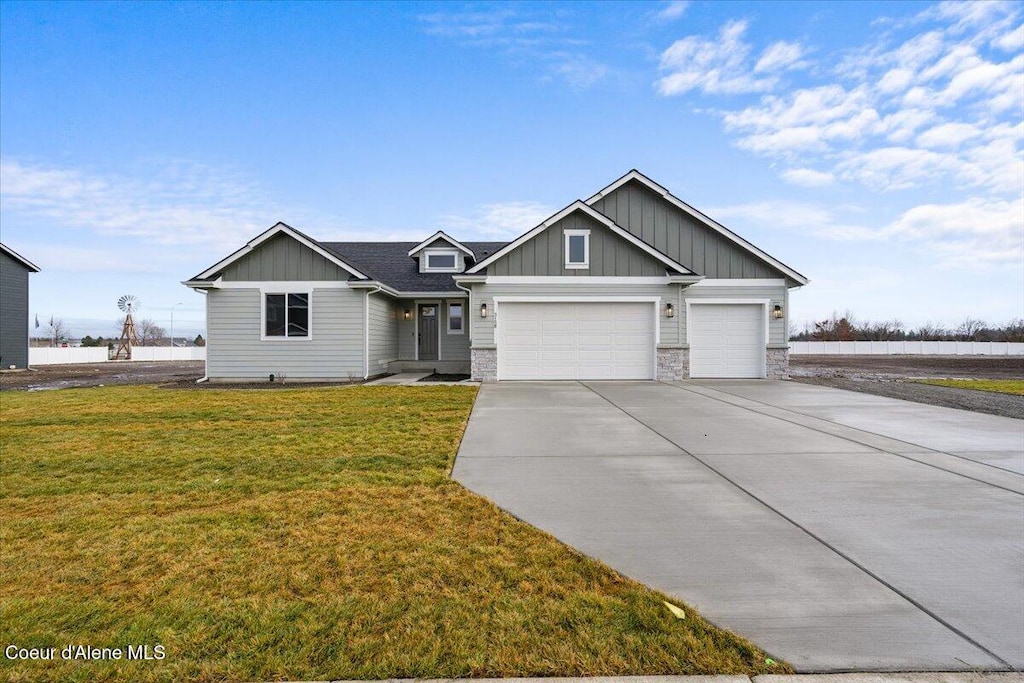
column 777, row 328
column 680, row 236
column 282, row 258
column 13, row 313
column 383, row 332
column 483, row 328
column 235, row 350
column 610, row 255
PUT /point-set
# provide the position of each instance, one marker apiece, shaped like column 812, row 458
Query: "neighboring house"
column 14, row 270
column 630, row 284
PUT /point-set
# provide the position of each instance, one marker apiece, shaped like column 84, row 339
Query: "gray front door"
column 428, row 331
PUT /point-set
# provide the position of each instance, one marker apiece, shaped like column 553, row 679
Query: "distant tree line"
column 58, row 333
column 846, row 327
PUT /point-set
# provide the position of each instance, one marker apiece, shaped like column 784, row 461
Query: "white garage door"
column 726, row 340
column 607, row 340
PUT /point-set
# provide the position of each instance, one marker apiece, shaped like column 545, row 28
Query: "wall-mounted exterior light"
column 670, row 311
column 483, row 310
column 408, row 314
column 777, row 311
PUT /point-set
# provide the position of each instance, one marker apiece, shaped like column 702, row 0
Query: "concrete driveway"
column 838, row 531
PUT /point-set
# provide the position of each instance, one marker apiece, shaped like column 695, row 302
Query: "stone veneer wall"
column 673, row 364
column 483, row 365
column 777, row 363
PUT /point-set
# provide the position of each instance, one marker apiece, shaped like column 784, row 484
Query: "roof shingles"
column 390, row 263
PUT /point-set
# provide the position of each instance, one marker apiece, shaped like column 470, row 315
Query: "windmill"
column 127, row 304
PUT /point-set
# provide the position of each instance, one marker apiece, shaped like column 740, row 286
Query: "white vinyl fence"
column 62, row 356
column 895, row 348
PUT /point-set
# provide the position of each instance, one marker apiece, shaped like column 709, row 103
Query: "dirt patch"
column 891, row 376
column 987, row 367
column 441, row 377
column 45, row 377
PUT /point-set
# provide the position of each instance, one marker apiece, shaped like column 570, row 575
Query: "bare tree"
column 57, row 330
column 1013, row 331
column 970, row 329
column 150, row 334
column 884, row 330
column 835, row 328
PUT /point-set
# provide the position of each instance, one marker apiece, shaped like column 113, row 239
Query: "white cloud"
column 808, row 177
column 947, row 135
column 503, row 220
column 717, row 65
column 183, row 204
column 808, row 219
column 522, row 38
column 673, row 10
column 779, row 56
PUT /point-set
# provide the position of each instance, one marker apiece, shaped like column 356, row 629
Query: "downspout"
column 366, row 332
column 206, row 360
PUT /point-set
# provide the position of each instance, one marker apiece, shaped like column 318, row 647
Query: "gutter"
column 467, row 318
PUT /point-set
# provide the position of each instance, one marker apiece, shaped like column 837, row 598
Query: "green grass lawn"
column 1002, row 386
column 298, row 534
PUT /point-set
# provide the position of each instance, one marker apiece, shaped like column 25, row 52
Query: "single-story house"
column 14, row 270
column 632, row 283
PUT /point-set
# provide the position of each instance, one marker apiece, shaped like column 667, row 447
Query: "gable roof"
column 389, row 263
column 441, row 235
column 597, row 216
column 275, row 230
column 19, row 258
column 637, row 176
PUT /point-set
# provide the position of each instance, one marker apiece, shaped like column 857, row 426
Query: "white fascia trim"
column 739, row 282
column 283, row 285
column 374, row 285
column 764, row 303
column 597, row 216
column 440, row 234
column 432, row 295
column 707, row 220
column 578, row 280
column 266, row 235
column 18, row 257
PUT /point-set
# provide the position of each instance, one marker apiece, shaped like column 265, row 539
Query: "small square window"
column 286, row 315
column 577, row 249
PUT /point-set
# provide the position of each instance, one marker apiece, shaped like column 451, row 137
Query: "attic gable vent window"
column 441, row 261
column 577, row 249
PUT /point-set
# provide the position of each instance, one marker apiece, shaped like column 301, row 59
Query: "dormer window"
column 442, row 261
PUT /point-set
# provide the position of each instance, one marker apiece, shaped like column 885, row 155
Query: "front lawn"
column 298, row 534
column 1002, row 386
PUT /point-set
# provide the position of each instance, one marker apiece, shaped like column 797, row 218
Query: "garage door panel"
column 726, row 340
column 580, row 340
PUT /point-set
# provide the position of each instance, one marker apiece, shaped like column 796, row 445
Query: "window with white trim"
column 577, row 249
column 456, row 322
column 286, row 315
column 441, row 261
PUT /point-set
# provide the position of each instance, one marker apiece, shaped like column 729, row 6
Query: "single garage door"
column 600, row 340
column 726, row 340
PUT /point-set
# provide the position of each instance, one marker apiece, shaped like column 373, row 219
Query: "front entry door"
column 428, row 331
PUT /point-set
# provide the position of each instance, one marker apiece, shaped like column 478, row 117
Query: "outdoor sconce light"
column 777, row 311
column 483, row 310
column 408, row 314
column 670, row 311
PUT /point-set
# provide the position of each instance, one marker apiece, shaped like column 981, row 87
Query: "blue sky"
column 875, row 147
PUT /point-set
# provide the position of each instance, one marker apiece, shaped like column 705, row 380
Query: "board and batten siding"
column 609, row 253
column 483, row 328
column 383, row 332
column 282, row 258
column 13, row 313
column 679, row 235
column 777, row 328
column 236, row 351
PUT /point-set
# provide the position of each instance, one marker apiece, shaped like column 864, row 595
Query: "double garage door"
column 616, row 340
column 602, row 340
